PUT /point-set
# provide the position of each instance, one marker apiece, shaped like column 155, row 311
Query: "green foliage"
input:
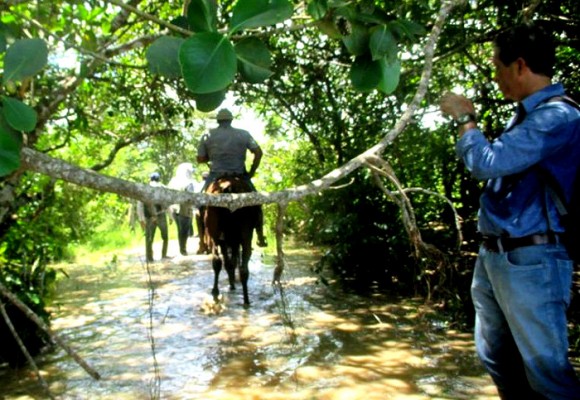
column 19, row 116
column 207, row 102
column 390, row 75
column 202, row 15
column 32, row 284
column 208, row 62
column 208, row 58
column 248, row 14
column 10, row 145
column 24, row 59
column 365, row 73
column 162, row 56
column 253, row 60
column 109, row 237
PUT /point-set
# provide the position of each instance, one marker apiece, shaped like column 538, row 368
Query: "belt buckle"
column 493, row 244
column 500, row 246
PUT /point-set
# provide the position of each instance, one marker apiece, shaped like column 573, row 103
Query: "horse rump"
column 230, row 234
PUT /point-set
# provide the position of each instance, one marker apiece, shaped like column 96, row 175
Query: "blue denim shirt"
column 514, row 202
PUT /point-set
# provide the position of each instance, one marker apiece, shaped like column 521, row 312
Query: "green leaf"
column 328, row 27
column 163, row 56
column 317, row 9
column 382, row 43
column 2, row 42
column 254, row 60
column 10, row 145
column 346, row 10
column 390, row 75
column 202, row 15
column 208, row 62
column 181, row 22
column 210, row 101
column 18, row 115
column 357, row 42
column 407, row 29
column 338, row 3
column 256, row 13
column 365, row 74
column 24, row 58
column 376, row 17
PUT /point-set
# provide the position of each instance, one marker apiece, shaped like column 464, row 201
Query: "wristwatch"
column 465, row 118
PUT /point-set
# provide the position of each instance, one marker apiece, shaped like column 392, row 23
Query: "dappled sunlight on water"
column 301, row 341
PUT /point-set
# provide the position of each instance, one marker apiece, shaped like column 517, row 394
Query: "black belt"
column 504, row 244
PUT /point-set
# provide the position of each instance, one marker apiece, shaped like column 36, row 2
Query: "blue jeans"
column 521, row 335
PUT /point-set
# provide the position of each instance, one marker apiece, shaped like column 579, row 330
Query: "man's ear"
column 522, row 66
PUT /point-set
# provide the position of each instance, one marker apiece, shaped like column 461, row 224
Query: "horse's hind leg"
column 245, row 271
column 232, row 262
column 216, row 263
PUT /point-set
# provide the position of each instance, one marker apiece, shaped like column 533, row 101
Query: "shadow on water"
column 298, row 341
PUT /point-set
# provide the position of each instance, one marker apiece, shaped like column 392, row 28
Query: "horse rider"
column 224, row 149
column 151, row 217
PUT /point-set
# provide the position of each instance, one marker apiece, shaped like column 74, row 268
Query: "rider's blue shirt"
column 514, row 201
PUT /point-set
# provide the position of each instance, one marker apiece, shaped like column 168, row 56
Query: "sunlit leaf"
column 24, row 58
column 90, row 41
column 210, row 101
column 254, row 60
column 317, row 9
column 202, row 15
column 365, row 74
column 328, row 27
column 18, row 115
column 390, row 75
column 163, row 56
column 208, row 62
column 10, row 145
column 256, row 13
column 382, row 43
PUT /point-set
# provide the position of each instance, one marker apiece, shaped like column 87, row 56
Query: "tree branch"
column 40, row 323
column 24, row 349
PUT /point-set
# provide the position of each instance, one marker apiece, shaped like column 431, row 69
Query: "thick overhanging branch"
column 42, row 163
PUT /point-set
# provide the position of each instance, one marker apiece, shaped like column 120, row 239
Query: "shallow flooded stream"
column 303, row 341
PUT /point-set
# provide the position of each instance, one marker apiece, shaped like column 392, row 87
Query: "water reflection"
column 299, row 341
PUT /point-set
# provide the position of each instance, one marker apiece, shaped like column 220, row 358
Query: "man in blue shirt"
column 523, row 274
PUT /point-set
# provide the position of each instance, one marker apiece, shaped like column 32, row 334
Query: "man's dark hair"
column 530, row 42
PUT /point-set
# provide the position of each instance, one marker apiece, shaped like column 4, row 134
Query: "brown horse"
column 230, row 233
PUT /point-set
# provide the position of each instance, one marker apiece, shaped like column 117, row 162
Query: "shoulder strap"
column 552, row 185
column 565, row 99
column 553, row 189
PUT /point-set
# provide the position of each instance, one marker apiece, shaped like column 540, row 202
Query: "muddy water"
column 158, row 334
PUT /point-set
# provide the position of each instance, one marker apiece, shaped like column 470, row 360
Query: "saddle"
column 230, row 183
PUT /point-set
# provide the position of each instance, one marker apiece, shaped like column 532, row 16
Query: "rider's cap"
column 224, row 115
column 155, row 176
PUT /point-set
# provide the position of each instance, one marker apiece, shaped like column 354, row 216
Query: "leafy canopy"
column 209, row 60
